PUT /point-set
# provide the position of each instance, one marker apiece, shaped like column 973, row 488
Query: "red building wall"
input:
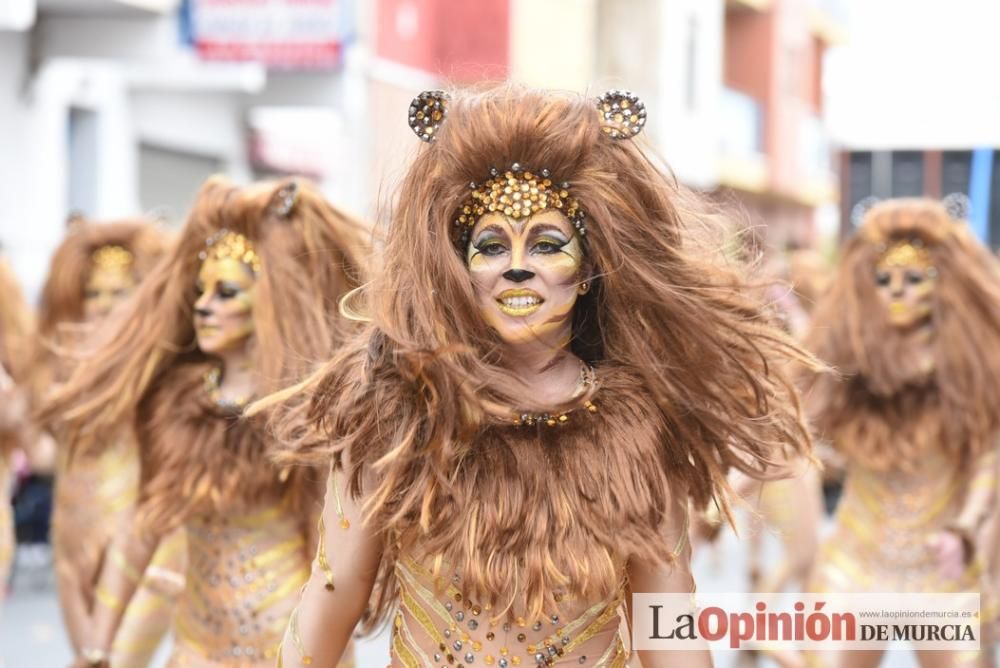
column 460, row 41
column 748, row 59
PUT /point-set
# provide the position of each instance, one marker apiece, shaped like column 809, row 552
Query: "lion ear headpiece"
column 520, row 191
column 229, row 244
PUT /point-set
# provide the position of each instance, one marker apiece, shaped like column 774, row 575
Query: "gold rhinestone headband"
column 112, row 258
column 518, row 193
column 228, row 244
column 906, row 253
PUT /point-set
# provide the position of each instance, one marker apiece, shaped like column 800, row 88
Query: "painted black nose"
column 518, row 275
column 203, row 312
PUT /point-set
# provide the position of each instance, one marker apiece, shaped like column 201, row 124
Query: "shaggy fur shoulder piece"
column 197, row 460
column 556, row 510
column 895, row 432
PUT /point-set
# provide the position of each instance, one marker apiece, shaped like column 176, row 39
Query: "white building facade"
column 106, row 109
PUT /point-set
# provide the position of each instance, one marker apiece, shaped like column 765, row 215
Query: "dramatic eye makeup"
column 548, row 244
column 228, row 290
column 489, row 245
column 223, row 288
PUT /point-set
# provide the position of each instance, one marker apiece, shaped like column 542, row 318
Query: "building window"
column 82, row 157
column 859, row 184
column 907, row 173
column 169, row 179
column 691, row 73
column 956, row 168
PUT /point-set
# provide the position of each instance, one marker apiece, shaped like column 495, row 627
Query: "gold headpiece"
column 112, row 258
column 229, row 244
column 518, row 193
column 906, row 253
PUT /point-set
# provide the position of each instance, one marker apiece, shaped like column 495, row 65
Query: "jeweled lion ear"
column 284, row 198
column 957, row 205
column 75, row 221
column 622, row 114
column 861, row 209
column 427, row 112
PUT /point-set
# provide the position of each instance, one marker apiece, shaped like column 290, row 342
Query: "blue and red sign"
column 282, row 34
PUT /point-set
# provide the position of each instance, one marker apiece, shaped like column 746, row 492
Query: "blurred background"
column 790, row 111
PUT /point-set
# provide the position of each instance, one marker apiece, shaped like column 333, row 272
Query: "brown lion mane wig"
column 149, row 371
column 16, row 324
column 406, row 407
column 16, row 327
column 882, row 413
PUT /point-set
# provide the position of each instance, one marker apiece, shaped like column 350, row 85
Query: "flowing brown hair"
column 407, row 402
column 883, row 414
column 309, row 258
column 16, row 324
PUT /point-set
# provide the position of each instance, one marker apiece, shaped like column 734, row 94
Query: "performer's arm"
column 956, row 545
column 982, row 492
column 73, row 605
column 340, row 584
column 127, row 559
column 672, row 578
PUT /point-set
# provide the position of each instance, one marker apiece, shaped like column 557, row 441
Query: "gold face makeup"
column 223, row 319
column 109, row 283
column 527, row 275
column 906, row 278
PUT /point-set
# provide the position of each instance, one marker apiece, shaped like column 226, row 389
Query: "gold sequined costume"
column 883, row 524
column 435, row 625
column 245, row 572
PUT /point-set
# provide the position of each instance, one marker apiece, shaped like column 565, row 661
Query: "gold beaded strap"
column 293, row 629
column 682, row 541
column 321, row 561
column 344, row 522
